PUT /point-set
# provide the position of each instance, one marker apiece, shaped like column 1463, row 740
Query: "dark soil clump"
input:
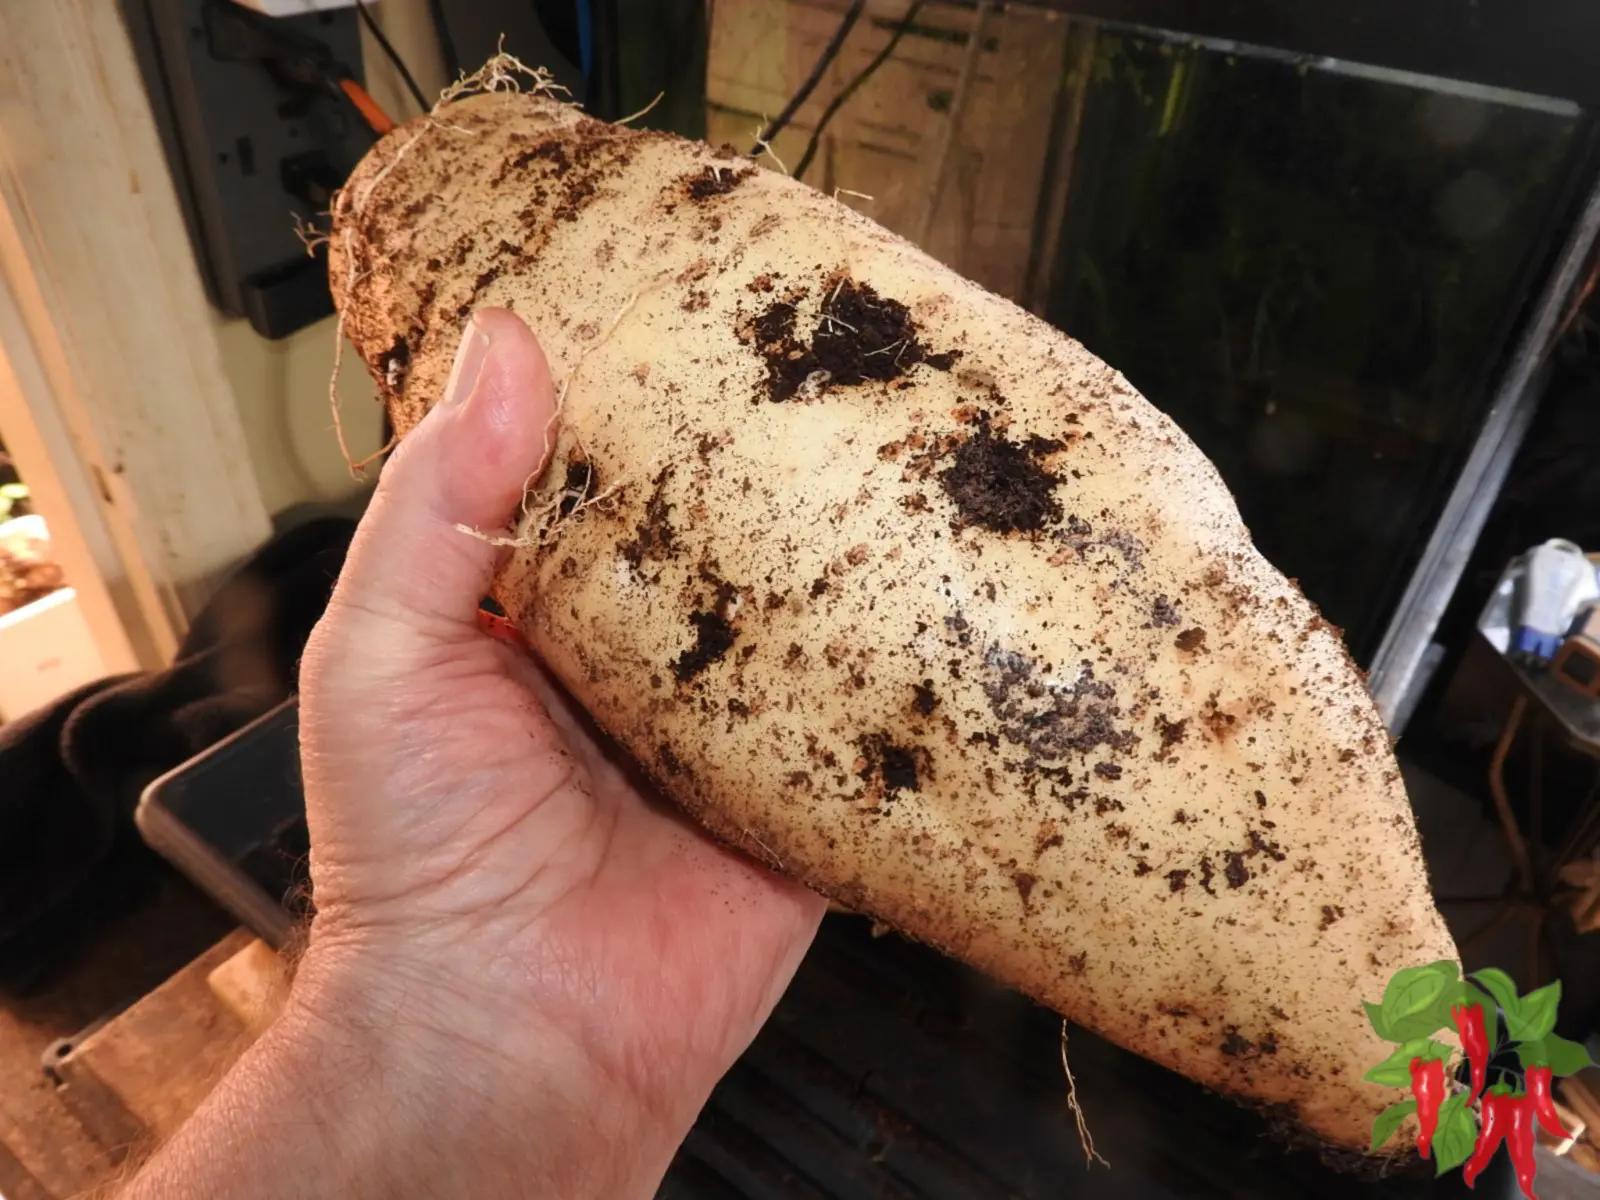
column 1051, row 719
column 577, row 486
column 896, row 765
column 713, row 638
column 999, row 485
column 715, row 182
column 860, row 336
column 654, row 538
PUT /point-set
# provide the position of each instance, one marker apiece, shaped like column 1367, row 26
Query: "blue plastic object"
column 1529, row 641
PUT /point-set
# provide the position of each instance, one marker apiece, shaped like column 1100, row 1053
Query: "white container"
column 1557, row 581
column 46, row 648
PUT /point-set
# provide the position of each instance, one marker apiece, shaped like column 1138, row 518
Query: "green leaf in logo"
column 1557, row 1053
column 1457, row 1131
column 1499, row 985
column 1386, row 1122
column 1417, row 1000
column 1536, row 1014
column 1395, row 1071
column 1375, row 1015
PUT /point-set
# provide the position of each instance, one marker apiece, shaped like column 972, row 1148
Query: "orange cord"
column 368, row 107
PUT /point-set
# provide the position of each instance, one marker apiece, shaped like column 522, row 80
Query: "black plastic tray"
column 233, row 819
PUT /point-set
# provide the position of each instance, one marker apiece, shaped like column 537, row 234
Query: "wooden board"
column 143, row 934
column 252, row 985
column 884, row 140
column 139, row 1076
column 129, row 1083
column 94, row 247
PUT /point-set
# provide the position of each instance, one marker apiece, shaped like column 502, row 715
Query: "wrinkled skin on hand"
column 488, row 877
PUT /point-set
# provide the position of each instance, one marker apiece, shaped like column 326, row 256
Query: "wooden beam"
column 94, row 249
column 139, row 1076
column 62, row 492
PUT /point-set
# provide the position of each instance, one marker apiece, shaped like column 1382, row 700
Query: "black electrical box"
column 254, row 140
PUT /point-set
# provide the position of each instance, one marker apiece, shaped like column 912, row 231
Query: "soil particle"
column 1235, row 1045
column 895, row 765
column 578, row 486
column 485, row 278
column 1330, row 914
column 923, row 699
column 1108, row 770
column 1218, row 721
column 1177, row 880
column 1191, row 640
column 1163, row 613
column 1171, row 733
column 714, row 637
column 1050, row 718
column 999, row 485
column 1237, row 874
column 859, row 336
column 654, row 538
column 1025, row 884
column 714, row 181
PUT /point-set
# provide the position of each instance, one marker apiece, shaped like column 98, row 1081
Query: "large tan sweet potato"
column 900, row 590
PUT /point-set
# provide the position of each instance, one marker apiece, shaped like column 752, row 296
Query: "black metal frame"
column 1542, row 47
column 1540, row 52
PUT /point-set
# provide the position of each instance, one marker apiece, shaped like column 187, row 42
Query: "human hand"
column 504, row 921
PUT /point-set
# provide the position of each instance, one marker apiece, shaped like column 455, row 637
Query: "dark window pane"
column 1315, row 273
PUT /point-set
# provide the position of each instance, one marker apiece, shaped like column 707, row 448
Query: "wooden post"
column 98, row 264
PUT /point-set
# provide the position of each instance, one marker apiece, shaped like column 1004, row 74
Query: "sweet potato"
column 900, row 590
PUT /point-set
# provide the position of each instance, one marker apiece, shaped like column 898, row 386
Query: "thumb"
column 466, row 463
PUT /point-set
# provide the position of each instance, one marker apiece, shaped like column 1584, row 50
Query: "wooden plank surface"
column 135, row 938
column 94, row 246
column 158, row 1060
column 252, row 985
column 882, row 142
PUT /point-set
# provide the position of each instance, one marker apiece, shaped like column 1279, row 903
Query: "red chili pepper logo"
column 1519, row 1140
column 1492, row 1133
column 1427, row 1086
column 1475, row 1041
column 1544, row 1106
column 1509, row 1051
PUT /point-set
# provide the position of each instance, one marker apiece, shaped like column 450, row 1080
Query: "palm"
column 485, row 872
column 517, row 841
